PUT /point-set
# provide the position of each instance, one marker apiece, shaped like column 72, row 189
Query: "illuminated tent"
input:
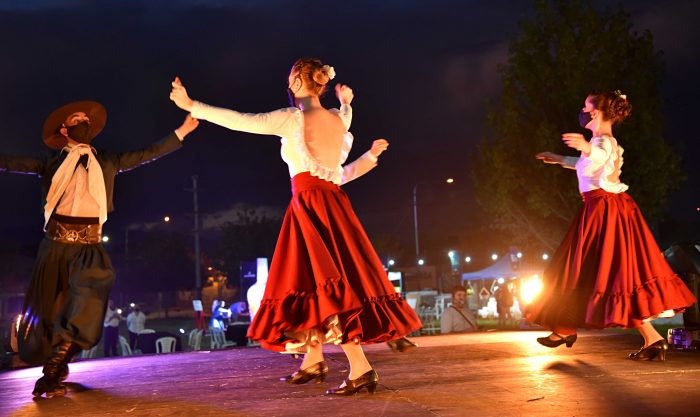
column 506, row 269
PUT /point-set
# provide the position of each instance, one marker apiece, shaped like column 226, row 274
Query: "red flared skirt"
column 608, row 270
column 324, row 265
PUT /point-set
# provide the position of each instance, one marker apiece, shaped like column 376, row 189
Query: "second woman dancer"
column 326, row 283
column 608, row 271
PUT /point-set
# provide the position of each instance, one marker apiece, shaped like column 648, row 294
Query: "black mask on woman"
column 584, row 117
column 80, row 132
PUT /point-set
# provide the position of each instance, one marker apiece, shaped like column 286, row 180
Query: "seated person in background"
column 457, row 318
column 240, row 313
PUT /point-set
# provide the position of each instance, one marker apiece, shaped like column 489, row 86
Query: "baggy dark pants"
column 66, row 300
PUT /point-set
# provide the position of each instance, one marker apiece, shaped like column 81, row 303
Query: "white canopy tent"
column 504, row 269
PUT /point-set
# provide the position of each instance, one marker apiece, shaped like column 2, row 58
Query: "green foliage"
column 251, row 235
column 566, row 51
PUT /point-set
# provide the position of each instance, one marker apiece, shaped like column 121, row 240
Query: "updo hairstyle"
column 313, row 74
column 613, row 104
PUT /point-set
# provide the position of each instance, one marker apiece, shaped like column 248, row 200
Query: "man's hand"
column 344, row 94
column 378, row 146
column 187, row 127
column 179, row 96
column 576, row 141
column 550, row 158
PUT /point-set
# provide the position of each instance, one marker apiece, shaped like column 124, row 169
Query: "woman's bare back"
column 324, row 133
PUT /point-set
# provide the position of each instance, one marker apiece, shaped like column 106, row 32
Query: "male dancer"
column 67, row 296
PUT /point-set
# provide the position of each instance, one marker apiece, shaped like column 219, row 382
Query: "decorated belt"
column 77, row 234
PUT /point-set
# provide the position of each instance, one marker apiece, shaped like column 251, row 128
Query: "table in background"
column 236, row 332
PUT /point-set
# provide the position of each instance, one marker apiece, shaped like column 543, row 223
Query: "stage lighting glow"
column 494, row 257
column 182, row 331
column 530, row 288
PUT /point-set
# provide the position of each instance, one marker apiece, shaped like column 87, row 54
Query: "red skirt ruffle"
column 324, row 265
column 608, row 271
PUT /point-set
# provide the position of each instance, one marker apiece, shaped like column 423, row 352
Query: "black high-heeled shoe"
column 655, row 350
column 401, row 345
column 552, row 343
column 368, row 380
column 317, row 371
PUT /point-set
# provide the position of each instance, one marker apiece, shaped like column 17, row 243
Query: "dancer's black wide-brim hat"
column 94, row 110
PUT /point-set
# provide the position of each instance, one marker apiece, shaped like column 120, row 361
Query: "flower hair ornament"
column 329, row 71
column 619, row 94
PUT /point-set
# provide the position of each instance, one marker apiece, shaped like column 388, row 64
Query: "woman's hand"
column 576, row 141
column 179, row 96
column 550, row 158
column 188, row 126
column 344, row 94
column 378, row 146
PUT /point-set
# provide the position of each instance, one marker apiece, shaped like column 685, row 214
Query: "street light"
column 415, row 213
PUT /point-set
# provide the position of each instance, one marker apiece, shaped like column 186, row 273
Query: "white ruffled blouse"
column 322, row 159
column 601, row 168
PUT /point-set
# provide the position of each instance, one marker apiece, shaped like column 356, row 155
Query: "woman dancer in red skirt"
column 326, row 283
column 608, row 271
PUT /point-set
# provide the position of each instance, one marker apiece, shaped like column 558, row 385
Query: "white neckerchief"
column 60, row 180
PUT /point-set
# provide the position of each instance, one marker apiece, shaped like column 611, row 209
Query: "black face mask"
column 584, row 117
column 81, row 132
column 290, row 97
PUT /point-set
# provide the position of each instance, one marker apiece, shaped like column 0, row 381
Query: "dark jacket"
column 111, row 163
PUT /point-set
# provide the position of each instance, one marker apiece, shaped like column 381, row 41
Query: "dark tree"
column 253, row 234
column 568, row 49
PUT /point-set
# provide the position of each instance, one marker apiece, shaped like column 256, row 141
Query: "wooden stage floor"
column 485, row 374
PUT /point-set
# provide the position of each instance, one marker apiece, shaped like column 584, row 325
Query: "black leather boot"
column 56, row 370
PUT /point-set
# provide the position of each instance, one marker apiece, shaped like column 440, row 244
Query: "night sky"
column 422, row 72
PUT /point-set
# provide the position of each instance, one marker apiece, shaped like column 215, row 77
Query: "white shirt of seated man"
column 457, row 318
